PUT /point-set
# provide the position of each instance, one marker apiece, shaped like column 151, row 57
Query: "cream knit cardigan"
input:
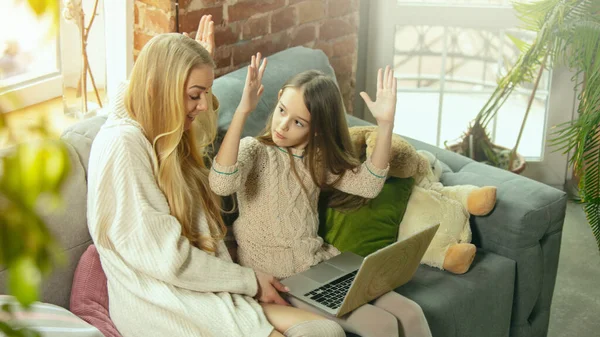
column 158, row 283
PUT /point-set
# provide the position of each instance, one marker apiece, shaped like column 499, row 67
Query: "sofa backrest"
column 69, row 225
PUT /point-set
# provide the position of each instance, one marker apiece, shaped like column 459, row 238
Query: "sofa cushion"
column 477, row 303
column 89, row 294
column 48, row 319
column 372, row 226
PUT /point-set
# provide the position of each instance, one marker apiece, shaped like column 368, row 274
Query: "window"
column 29, row 55
column 447, row 55
column 446, row 74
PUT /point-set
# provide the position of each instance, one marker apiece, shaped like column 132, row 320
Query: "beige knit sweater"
column 277, row 227
column 158, row 283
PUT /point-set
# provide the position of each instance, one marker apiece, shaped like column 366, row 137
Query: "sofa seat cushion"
column 89, row 294
column 477, row 303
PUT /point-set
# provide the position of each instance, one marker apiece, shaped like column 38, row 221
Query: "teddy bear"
column 431, row 202
column 405, row 162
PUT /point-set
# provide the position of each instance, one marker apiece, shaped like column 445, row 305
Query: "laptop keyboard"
column 332, row 294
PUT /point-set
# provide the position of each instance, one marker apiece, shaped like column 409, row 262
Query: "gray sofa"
column 507, row 291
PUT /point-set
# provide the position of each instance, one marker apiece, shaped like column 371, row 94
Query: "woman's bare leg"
column 283, row 318
column 367, row 320
column 297, row 322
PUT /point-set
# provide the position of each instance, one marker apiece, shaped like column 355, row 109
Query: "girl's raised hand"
column 384, row 107
column 253, row 88
column 205, row 35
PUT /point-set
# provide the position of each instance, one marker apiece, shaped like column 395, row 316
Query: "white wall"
column 119, row 44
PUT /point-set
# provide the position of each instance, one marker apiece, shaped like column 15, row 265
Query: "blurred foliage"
column 31, row 173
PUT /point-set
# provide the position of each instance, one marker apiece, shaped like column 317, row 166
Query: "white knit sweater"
column 158, row 283
column 277, row 228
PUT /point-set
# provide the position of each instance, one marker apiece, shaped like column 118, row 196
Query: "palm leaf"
column 519, row 43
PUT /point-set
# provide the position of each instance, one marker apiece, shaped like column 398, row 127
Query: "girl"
column 278, row 176
column 154, row 220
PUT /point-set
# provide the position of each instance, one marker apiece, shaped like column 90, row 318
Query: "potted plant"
column 567, row 33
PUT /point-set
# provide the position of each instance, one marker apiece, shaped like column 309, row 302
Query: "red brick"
column 342, row 65
column 199, row 4
column 341, row 7
column 183, row 4
column 140, row 39
column 310, row 11
column 255, row 27
column 279, row 42
column 225, row 35
column 222, row 71
column 325, row 47
column 303, row 35
column 283, row 19
column 266, row 46
column 245, row 9
column 136, row 13
column 244, row 50
column 345, row 46
column 343, row 79
column 189, row 21
column 158, row 21
column 333, row 28
column 165, row 5
column 223, row 56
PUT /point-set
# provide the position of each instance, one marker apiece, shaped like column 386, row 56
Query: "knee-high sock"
column 409, row 314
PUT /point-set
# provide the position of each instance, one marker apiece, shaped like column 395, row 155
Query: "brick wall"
column 244, row 27
column 151, row 17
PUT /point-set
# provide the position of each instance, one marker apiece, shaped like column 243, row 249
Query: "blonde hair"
column 329, row 148
column 156, row 99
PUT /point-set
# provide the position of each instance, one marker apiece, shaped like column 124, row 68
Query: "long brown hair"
column 155, row 99
column 329, row 148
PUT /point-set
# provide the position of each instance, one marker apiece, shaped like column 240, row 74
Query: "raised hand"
column 268, row 289
column 384, row 107
column 205, row 35
column 253, row 88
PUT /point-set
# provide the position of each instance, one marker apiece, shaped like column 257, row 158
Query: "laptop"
column 347, row 281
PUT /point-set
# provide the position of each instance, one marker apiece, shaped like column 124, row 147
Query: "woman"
column 155, row 222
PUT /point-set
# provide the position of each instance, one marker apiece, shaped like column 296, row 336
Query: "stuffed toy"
column 431, row 202
column 404, row 160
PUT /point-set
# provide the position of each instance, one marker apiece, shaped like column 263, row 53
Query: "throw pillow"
column 89, row 295
column 48, row 320
column 372, row 226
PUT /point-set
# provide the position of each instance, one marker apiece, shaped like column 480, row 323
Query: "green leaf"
column 24, row 280
column 520, row 44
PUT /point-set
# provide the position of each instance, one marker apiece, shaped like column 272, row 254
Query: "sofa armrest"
column 525, row 226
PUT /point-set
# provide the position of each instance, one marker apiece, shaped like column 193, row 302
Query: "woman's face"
column 291, row 120
column 196, row 91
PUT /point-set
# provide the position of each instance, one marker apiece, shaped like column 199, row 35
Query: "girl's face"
column 196, row 90
column 291, row 120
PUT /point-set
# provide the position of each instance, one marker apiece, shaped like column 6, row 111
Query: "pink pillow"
column 89, row 295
